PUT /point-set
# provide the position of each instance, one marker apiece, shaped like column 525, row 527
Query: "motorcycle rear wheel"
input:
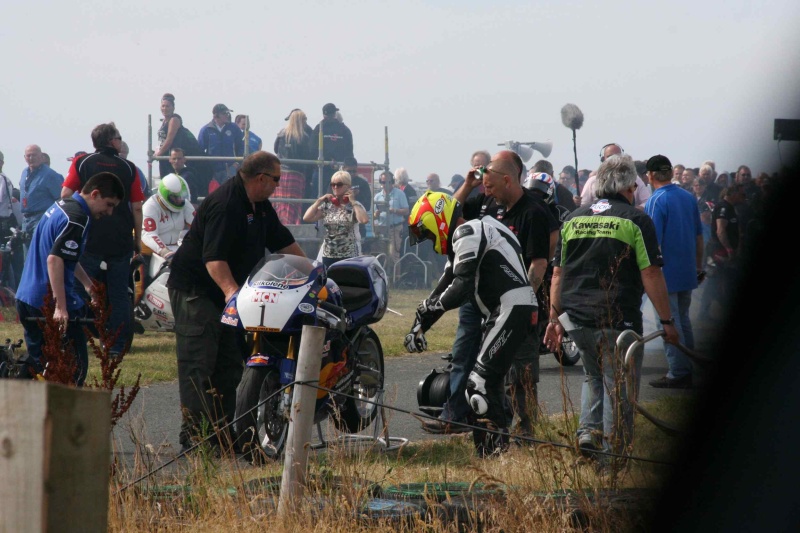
column 267, row 426
column 355, row 415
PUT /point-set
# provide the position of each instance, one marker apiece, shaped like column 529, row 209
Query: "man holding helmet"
column 485, row 266
column 167, row 216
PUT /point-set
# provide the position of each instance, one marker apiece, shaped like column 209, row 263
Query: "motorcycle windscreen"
column 275, row 292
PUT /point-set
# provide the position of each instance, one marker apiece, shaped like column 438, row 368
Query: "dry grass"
column 153, row 354
column 542, row 487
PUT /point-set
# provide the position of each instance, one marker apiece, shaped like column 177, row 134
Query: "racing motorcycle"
column 148, row 289
column 281, row 295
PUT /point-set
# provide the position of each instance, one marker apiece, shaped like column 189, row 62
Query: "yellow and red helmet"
column 431, row 218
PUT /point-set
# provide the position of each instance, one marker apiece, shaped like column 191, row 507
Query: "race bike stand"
column 379, row 439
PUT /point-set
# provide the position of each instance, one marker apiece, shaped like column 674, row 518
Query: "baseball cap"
column 350, row 162
column 292, row 111
column 457, row 180
column 329, row 109
column 221, row 108
column 658, row 163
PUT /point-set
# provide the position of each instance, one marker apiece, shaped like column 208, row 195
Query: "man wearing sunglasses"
column 506, row 201
column 228, row 236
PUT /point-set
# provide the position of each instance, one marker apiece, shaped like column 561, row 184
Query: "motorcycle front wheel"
column 267, row 426
column 368, row 375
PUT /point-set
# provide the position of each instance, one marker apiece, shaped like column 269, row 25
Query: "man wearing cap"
column 455, row 182
column 221, row 138
column 680, row 235
column 40, row 187
column 337, row 144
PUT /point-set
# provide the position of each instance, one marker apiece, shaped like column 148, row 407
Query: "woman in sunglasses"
column 339, row 211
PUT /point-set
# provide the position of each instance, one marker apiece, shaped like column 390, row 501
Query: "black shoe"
column 587, row 446
column 669, row 383
column 444, row 427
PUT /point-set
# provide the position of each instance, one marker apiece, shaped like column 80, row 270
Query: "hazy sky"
column 690, row 79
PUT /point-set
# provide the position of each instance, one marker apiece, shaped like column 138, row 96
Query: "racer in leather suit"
column 167, row 216
column 485, row 266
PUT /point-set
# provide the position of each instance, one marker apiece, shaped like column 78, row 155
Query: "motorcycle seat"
column 355, row 285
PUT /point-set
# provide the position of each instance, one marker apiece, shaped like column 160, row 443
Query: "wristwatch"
column 670, row 321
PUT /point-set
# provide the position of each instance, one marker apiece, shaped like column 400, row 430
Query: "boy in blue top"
column 680, row 236
column 52, row 263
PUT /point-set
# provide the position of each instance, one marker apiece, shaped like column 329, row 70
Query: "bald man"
column 505, row 200
column 588, row 195
column 40, row 187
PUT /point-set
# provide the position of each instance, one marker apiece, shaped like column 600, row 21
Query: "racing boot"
column 485, row 397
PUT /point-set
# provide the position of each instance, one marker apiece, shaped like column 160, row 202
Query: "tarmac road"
column 155, row 415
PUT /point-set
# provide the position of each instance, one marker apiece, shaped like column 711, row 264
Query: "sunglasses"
column 337, row 184
column 276, row 179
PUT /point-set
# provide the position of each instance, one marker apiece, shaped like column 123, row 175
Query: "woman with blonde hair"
column 293, row 142
column 340, row 212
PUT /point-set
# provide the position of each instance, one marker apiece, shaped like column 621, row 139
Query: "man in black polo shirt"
column 114, row 240
column 505, row 200
column 229, row 235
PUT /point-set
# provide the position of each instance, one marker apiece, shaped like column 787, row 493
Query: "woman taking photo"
column 339, row 212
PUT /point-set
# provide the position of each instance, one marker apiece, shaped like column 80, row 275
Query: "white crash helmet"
column 173, row 192
column 541, row 181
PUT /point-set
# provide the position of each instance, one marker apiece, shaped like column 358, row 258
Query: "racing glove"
column 415, row 340
column 430, row 305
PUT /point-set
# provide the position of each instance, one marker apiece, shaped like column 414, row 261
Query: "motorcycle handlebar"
column 333, row 308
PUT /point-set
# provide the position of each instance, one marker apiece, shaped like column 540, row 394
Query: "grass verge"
column 153, row 354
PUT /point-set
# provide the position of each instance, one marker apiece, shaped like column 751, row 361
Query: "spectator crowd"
column 714, row 215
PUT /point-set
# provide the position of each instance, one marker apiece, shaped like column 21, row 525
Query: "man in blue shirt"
column 680, row 236
column 52, row 264
column 391, row 212
column 222, row 138
column 39, row 187
column 253, row 141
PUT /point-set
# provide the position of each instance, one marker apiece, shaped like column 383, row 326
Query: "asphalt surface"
column 154, row 418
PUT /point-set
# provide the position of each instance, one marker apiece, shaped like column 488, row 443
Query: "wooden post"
column 301, row 421
column 55, row 449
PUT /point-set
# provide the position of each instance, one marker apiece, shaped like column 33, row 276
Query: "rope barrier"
column 417, row 415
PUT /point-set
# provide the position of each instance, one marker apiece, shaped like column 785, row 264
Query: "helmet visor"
column 177, row 199
column 417, row 234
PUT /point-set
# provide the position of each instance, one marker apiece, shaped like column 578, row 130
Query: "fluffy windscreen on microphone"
column 572, row 116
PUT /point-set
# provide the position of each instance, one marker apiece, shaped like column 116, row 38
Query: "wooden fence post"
column 301, row 422
column 55, row 451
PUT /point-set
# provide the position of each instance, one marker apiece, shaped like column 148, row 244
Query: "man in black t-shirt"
column 228, row 237
column 505, row 200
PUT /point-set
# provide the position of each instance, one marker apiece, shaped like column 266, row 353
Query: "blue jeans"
column 34, row 338
column 466, row 347
column 115, row 278
column 679, row 363
column 604, row 398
